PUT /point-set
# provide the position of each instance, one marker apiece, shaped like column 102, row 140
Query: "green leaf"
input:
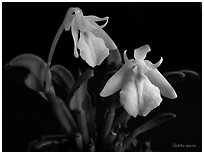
column 35, row 65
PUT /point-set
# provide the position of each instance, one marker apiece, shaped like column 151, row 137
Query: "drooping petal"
column 140, row 53
column 92, row 49
column 68, row 19
column 92, row 19
column 148, row 95
column 87, row 23
column 129, row 98
column 151, row 66
column 99, row 32
column 75, row 32
column 116, row 82
column 82, row 23
column 159, row 81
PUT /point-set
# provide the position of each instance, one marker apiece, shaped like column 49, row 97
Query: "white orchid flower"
column 140, row 83
column 91, row 40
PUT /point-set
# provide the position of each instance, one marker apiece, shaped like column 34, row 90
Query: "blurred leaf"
column 90, row 112
column 84, row 77
column 121, row 120
column 78, row 98
column 35, row 65
column 77, row 101
column 49, row 143
column 156, row 121
column 181, row 75
column 62, row 76
column 115, row 57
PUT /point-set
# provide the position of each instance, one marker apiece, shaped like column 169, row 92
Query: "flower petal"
column 151, row 66
column 99, row 32
column 75, row 32
column 116, row 82
column 87, row 23
column 92, row 19
column 159, row 81
column 148, row 94
column 82, row 23
column 68, row 19
column 129, row 98
column 128, row 62
column 92, row 49
column 140, row 53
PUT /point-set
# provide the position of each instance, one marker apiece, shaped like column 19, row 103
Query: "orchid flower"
column 140, row 83
column 91, row 40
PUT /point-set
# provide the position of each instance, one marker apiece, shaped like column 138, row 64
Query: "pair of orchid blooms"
column 140, row 83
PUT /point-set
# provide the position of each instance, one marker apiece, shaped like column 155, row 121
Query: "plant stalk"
column 82, row 123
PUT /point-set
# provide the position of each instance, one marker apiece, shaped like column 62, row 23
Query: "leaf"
column 156, row 121
column 181, row 75
column 85, row 76
column 114, row 57
column 35, row 65
column 89, row 110
column 62, row 76
column 78, row 98
column 48, row 143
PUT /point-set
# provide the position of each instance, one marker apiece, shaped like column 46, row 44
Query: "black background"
column 173, row 31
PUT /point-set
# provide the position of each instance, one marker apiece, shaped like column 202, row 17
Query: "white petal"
column 159, row 81
column 92, row 19
column 129, row 98
column 68, row 19
column 92, row 49
column 82, row 23
column 74, row 31
column 99, row 32
column 151, row 66
column 149, row 96
column 140, row 53
column 116, row 82
column 128, row 63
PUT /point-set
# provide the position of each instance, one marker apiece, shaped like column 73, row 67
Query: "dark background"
column 173, row 31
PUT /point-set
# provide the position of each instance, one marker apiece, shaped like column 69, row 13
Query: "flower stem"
column 82, row 122
column 92, row 147
column 109, row 140
column 61, row 111
column 79, row 141
column 107, row 124
column 60, row 114
column 69, row 116
column 123, row 118
column 54, row 43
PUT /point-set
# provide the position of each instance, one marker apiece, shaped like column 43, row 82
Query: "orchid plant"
column 136, row 85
